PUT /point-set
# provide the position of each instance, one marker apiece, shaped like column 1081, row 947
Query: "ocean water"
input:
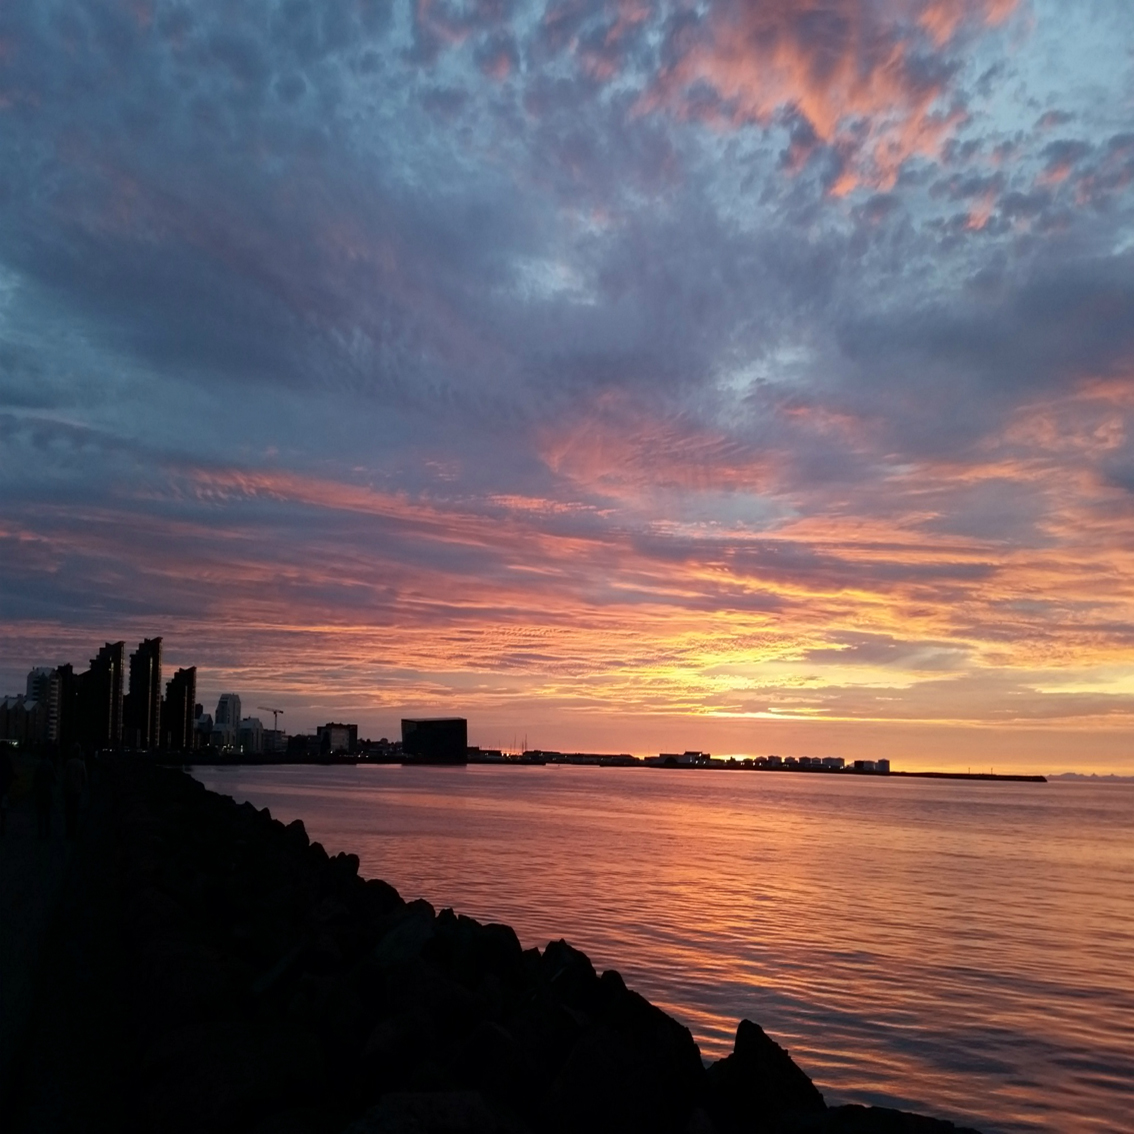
column 964, row 949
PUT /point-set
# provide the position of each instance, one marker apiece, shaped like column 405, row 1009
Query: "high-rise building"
column 142, row 710
column 227, row 718
column 99, row 695
column 178, row 717
column 43, row 688
column 70, row 724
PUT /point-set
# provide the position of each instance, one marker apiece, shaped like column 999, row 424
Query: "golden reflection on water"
column 961, row 948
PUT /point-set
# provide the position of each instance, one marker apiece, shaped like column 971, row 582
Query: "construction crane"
column 275, row 716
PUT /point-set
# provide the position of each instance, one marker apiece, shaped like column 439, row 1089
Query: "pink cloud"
column 620, row 450
column 942, row 19
column 857, row 80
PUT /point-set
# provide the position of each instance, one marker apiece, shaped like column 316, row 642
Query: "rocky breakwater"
column 267, row 987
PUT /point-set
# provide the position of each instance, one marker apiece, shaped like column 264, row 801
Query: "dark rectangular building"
column 43, row 688
column 99, row 698
column 178, row 712
column 334, row 737
column 70, row 724
column 436, row 740
column 142, row 708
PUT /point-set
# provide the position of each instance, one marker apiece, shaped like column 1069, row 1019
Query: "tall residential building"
column 178, row 718
column 70, row 723
column 43, row 688
column 100, row 697
column 142, row 710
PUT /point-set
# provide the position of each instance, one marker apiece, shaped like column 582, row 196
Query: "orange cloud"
column 942, row 19
column 860, row 82
column 621, row 451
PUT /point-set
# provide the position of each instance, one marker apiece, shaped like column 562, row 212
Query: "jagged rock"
column 405, row 940
column 179, row 981
column 570, row 974
column 379, row 898
column 396, row 1047
column 455, row 1008
column 471, row 951
column 758, row 1086
column 633, row 1068
column 436, row 1112
column 608, row 1085
column 547, row 1030
column 298, row 833
column 225, row 1077
column 304, row 1120
column 491, row 1059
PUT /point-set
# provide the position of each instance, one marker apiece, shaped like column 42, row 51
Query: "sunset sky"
column 747, row 376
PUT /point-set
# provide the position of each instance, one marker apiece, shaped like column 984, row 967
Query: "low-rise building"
column 250, row 736
column 340, row 738
column 23, row 720
column 435, row 740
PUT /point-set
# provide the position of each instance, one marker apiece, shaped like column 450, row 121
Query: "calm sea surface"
column 963, row 949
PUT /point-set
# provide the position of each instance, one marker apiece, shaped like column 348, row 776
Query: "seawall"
column 210, row 969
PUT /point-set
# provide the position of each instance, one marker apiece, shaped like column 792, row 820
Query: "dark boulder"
column 404, row 940
column 491, row 1060
column 547, row 1031
column 304, row 1120
column 227, row 1076
column 436, row 1112
column 758, row 1087
column 297, row 833
column 396, row 1048
column 631, row 1068
column 570, row 975
column 471, row 951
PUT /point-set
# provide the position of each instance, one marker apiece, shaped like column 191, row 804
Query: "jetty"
column 209, row 968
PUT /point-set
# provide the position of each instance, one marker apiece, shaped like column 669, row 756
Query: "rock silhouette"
column 265, row 987
column 758, row 1087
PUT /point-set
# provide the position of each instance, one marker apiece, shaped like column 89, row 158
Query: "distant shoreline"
column 594, row 760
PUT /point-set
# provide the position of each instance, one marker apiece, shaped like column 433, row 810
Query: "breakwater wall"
column 247, row 981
